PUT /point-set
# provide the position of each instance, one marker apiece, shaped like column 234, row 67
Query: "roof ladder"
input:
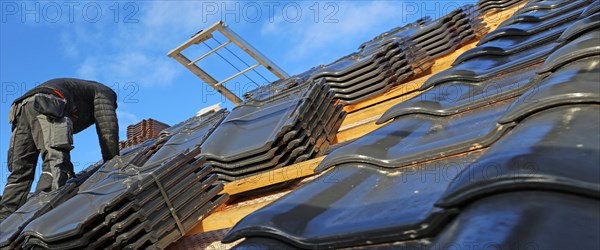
column 219, row 86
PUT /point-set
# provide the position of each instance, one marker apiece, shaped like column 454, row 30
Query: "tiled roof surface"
column 500, row 150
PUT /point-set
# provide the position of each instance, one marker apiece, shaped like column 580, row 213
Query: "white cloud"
column 69, row 46
column 133, row 52
column 353, row 23
column 146, row 70
column 88, row 69
column 136, row 52
column 125, row 119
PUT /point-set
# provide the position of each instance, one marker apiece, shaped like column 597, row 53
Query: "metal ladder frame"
column 237, row 40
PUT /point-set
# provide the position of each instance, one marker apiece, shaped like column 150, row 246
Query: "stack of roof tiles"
column 273, row 130
column 142, row 131
column 500, row 151
column 372, row 72
column 187, row 135
column 394, row 56
column 43, row 202
column 437, row 38
column 146, row 198
column 37, row 205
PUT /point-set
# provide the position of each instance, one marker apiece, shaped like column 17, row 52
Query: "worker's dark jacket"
column 88, row 102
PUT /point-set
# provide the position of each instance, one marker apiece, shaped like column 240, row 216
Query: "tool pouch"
column 58, row 132
column 61, row 134
column 49, row 105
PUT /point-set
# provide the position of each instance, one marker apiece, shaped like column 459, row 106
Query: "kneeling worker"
column 44, row 120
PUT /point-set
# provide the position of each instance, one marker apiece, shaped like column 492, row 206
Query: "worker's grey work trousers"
column 33, row 131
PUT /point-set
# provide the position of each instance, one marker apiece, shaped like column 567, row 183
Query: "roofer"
column 44, row 120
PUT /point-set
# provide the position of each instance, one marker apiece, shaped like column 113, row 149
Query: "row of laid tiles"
column 452, row 97
column 358, row 204
column 544, row 141
column 437, row 124
column 515, row 220
column 483, row 64
column 486, row 6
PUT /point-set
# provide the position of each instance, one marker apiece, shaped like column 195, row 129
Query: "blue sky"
column 125, row 44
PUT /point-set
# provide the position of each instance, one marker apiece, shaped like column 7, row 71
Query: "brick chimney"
column 142, row 131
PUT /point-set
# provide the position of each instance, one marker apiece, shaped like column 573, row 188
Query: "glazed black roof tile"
column 410, row 28
column 431, row 36
column 485, row 6
column 357, row 204
column 510, row 45
column 335, row 115
column 421, row 30
column 540, row 5
column 416, row 138
column 556, row 149
column 396, row 60
column 34, row 207
column 487, row 67
column 561, row 124
column 309, row 148
column 585, row 24
column 358, row 63
column 291, row 138
column 436, row 38
column 160, row 224
column 594, row 7
column 574, row 83
column 546, row 14
column 190, row 135
column 583, row 46
column 532, row 27
column 456, row 97
column 525, row 219
column 262, row 243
